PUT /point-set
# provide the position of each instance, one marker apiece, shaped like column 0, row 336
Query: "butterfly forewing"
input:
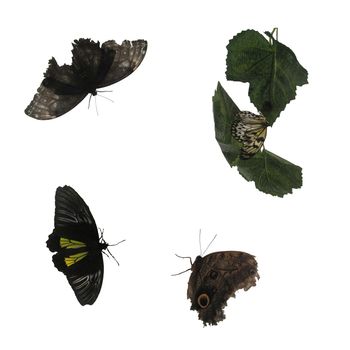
column 72, row 210
column 46, row 104
column 128, row 56
column 249, row 129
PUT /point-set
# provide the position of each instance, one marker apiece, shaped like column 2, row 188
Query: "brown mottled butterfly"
column 249, row 129
column 215, row 278
column 93, row 66
column 77, row 244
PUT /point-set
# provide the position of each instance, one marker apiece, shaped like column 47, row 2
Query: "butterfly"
column 93, row 66
column 249, row 129
column 77, row 244
column 215, row 278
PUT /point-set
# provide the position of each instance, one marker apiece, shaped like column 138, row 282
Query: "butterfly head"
column 103, row 245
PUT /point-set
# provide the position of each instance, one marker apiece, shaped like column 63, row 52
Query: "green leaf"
column 272, row 71
column 224, row 111
column 271, row 174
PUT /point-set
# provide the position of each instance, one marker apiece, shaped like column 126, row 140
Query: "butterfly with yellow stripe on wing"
column 77, row 244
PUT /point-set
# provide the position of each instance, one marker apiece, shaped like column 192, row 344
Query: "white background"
column 151, row 172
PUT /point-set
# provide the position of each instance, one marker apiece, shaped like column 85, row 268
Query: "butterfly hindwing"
column 91, row 62
column 249, row 129
column 84, row 272
column 86, row 287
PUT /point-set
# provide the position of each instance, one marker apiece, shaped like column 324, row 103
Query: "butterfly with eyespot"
column 215, row 278
column 77, row 245
column 249, row 129
column 93, row 66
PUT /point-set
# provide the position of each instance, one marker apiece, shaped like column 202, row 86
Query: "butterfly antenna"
column 200, row 242
column 89, row 101
column 104, row 90
column 209, row 244
column 183, row 257
column 112, row 245
column 96, row 105
column 109, row 99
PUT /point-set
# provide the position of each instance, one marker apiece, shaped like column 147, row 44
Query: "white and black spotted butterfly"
column 93, row 66
column 249, row 129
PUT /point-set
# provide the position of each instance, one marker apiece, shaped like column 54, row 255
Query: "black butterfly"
column 92, row 67
column 79, row 249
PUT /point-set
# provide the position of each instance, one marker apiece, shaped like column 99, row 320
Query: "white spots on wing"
column 124, row 64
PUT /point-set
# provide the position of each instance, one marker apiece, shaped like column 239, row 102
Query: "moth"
column 215, row 278
column 250, row 129
column 93, row 67
column 77, row 245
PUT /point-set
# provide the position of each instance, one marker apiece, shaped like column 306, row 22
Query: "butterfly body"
column 57, row 242
column 215, row 278
column 249, row 129
column 93, row 66
column 77, row 246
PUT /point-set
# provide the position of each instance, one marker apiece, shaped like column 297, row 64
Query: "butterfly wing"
column 72, row 210
column 48, row 105
column 87, row 286
column 128, row 56
column 58, row 93
column 249, row 129
column 215, row 278
column 76, row 243
column 83, row 269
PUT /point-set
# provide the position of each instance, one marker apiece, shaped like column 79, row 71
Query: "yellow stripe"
column 71, row 243
column 72, row 259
